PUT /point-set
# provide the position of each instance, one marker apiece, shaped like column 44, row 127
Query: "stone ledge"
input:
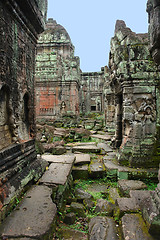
column 33, row 218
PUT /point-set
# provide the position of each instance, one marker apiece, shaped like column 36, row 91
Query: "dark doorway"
column 119, row 132
column 93, row 108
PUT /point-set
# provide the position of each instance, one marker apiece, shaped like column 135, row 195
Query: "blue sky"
column 91, row 23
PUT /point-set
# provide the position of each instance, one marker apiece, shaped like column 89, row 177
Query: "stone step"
column 58, row 177
column 34, row 218
column 105, row 147
column 113, row 194
column 86, row 149
column 126, row 185
column 103, row 228
column 122, row 172
column 114, row 170
column 102, row 137
column 126, row 205
column 66, row 158
column 57, row 174
column 134, row 227
column 82, row 159
column 80, row 172
column 96, row 170
column 140, row 196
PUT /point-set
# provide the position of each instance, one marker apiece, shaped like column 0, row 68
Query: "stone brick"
column 18, row 162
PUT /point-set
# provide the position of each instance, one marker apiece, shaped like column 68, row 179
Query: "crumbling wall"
column 109, row 102
column 57, row 74
column 153, row 9
column 133, row 81
column 20, row 22
column 92, row 91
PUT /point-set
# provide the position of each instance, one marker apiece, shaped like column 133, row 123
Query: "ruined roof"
column 55, row 33
column 122, row 32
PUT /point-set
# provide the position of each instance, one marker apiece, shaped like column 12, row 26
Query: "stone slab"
column 111, row 154
column 57, row 173
column 126, row 185
column 74, row 144
column 114, row 170
column 85, row 143
column 113, row 194
column 82, row 159
column 71, row 234
column 127, row 205
column 111, row 165
column 134, row 227
column 96, row 169
column 124, row 172
column 98, row 187
column 78, row 208
column 80, row 194
column 86, row 149
column 105, row 147
column 103, row 137
column 104, row 207
column 151, row 216
column 102, row 228
column 140, row 196
column 80, row 172
column 34, row 217
column 68, row 159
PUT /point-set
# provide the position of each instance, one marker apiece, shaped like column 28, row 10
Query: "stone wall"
column 20, row 23
column 92, row 91
column 57, row 74
column 132, row 88
column 153, row 9
column 109, row 101
column 153, row 211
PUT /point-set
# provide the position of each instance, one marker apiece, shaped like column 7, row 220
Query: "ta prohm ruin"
column 79, row 151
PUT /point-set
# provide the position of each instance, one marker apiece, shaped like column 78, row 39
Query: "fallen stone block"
column 151, row 215
column 57, row 173
column 103, row 228
column 105, row 147
column 134, row 227
column 68, row 159
column 96, row 170
column 126, row 185
column 34, row 218
column 140, row 196
column 103, row 137
column 126, row 205
column 80, row 172
column 86, row 149
column 78, row 208
column 73, row 234
column 70, row 218
column 114, row 170
column 104, row 207
column 80, row 195
column 88, row 203
column 113, row 194
column 82, row 159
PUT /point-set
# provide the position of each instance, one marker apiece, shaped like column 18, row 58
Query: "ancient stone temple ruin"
column 131, row 97
column 61, row 87
column 57, row 73
column 92, row 91
column 20, row 23
column 125, row 94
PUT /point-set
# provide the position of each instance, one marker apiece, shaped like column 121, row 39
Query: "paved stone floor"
column 95, row 209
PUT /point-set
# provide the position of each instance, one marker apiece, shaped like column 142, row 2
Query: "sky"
column 91, row 24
